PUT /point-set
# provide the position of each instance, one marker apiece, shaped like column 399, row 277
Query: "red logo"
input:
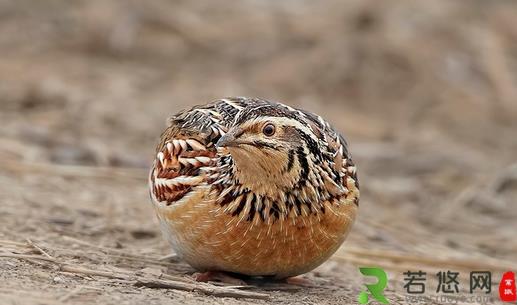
column 507, row 291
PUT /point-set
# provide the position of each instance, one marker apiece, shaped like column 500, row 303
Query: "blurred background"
column 425, row 93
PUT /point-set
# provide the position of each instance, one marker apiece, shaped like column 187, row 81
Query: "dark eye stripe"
column 263, row 144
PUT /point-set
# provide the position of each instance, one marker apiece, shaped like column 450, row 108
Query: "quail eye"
column 268, row 130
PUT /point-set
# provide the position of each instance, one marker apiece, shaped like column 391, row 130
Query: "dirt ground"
column 425, row 92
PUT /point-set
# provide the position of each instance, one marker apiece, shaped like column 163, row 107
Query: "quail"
column 253, row 187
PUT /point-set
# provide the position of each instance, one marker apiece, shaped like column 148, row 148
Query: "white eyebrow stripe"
column 287, row 122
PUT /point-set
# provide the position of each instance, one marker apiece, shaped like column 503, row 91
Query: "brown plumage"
column 253, row 187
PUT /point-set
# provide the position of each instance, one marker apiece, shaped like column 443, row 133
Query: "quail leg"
column 218, row 276
column 298, row 281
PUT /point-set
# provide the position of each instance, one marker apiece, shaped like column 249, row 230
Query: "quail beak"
column 230, row 139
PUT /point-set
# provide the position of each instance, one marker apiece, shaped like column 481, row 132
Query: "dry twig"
column 118, row 253
column 28, row 257
column 145, row 281
column 218, row 291
column 38, row 248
